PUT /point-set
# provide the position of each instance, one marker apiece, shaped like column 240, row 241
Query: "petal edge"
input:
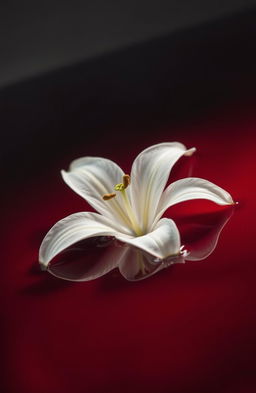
column 70, row 230
column 192, row 188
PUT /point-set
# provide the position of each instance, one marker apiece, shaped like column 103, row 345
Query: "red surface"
column 188, row 329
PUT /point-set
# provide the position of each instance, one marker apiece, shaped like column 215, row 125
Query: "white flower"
column 129, row 207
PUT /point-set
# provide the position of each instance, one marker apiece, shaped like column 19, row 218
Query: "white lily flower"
column 130, row 208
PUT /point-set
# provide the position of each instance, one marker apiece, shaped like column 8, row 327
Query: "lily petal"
column 91, row 178
column 71, row 230
column 88, row 262
column 136, row 265
column 150, row 172
column 163, row 242
column 192, row 188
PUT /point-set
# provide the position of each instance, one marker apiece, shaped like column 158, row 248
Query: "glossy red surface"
column 188, row 329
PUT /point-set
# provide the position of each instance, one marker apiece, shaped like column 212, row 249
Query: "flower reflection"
column 97, row 256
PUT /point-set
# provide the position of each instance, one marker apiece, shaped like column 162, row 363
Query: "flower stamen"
column 126, row 203
column 126, row 181
column 106, row 197
column 122, row 187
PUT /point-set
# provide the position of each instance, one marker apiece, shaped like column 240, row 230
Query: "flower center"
column 128, row 209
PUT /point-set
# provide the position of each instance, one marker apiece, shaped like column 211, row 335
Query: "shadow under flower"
column 44, row 283
column 95, row 257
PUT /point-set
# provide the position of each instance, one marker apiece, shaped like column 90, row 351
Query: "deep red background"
column 190, row 328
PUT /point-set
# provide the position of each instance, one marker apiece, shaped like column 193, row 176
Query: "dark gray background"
column 78, row 78
column 38, row 36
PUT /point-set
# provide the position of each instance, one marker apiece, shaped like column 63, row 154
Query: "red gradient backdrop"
column 188, row 329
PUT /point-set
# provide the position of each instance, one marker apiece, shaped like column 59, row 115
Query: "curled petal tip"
column 190, row 151
column 231, row 202
column 63, row 174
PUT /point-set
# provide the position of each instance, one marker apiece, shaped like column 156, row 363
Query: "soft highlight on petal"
column 162, row 243
column 150, row 172
column 93, row 177
column 189, row 189
column 71, row 230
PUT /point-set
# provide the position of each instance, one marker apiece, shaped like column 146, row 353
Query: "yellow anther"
column 126, row 181
column 119, row 187
column 106, row 197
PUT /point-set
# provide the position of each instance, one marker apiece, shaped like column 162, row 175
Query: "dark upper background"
column 38, row 36
column 70, row 69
